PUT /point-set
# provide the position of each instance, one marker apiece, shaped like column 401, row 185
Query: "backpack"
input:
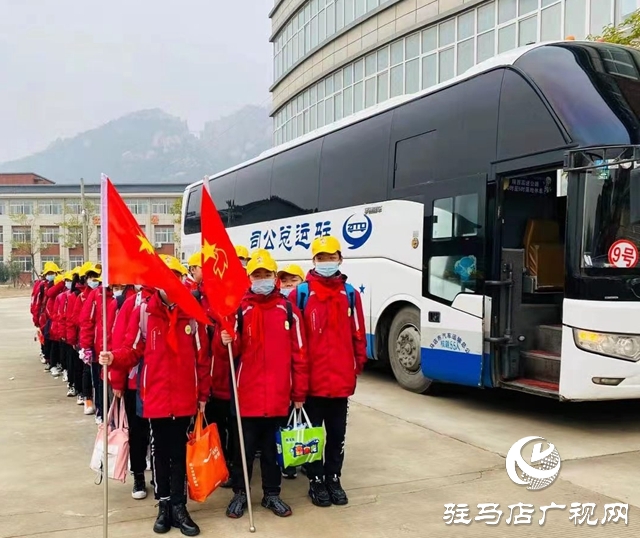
column 240, row 315
column 302, row 293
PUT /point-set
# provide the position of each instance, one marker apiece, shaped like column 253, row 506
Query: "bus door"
column 452, row 332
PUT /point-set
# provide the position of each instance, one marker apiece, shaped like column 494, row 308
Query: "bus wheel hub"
column 407, row 346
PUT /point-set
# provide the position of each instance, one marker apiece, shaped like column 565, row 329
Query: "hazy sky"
column 71, row 65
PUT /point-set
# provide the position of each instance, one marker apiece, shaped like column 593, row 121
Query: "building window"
column 74, row 235
column 53, row 207
column 75, row 261
column 73, row 208
column 21, row 207
column 315, row 22
column 436, row 54
column 2, row 208
column 161, row 207
column 24, row 262
column 1, row 235
column 21, row 234
column 163, row 234
column 54, row 259
column 50, row 235
column 138, row 207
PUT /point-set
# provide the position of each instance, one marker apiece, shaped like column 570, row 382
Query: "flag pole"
column 104, row 244
column 105, row 403
column 243, row 455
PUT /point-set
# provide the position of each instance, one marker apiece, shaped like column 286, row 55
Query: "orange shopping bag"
column 206, row 466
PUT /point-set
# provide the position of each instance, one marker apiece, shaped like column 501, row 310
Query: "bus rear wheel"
column 404, row 351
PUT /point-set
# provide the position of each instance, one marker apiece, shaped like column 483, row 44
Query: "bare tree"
column 26, row 239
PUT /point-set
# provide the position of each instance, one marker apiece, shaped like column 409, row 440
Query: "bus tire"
column 404, row 351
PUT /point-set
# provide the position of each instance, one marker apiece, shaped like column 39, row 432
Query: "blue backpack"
column 302, row 294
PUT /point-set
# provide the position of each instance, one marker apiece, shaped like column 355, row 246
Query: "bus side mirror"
column 634, row 195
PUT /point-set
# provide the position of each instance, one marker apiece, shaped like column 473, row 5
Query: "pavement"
column 407, row 456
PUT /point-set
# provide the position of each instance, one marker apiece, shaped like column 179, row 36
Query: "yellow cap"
column 50, row 267
column 59, row 278
column 260, row 252
column 75, row 271
column 68, row 275
column 292, row 269
column 242, row 252
column 326, row 244
column 195, row 260
column 261, row 262
column 89, row 267
column 174, row 264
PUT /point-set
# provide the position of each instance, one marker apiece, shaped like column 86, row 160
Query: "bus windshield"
column 611, row 229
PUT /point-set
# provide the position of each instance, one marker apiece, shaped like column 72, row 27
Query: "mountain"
column 151, row 146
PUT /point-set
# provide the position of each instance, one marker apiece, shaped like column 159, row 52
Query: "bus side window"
column 192, row 213
column 453, row 264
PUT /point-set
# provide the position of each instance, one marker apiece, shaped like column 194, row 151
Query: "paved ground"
column 407, row 456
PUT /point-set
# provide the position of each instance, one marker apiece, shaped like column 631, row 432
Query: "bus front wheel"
column 404, row 351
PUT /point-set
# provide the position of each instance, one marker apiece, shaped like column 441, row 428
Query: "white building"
column 40, row 223
column 333, row 58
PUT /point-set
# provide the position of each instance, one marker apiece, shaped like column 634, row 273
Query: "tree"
column 176, row 212
column 26, row 239
column 626, row 33
column 71, row 226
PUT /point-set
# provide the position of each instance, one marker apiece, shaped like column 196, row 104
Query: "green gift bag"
column 299, row 442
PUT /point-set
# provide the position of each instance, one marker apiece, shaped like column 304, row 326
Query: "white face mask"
column 117, row 293
column 68, row 284
column 93, row 284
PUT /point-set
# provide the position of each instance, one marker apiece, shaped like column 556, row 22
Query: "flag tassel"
column 243, row 455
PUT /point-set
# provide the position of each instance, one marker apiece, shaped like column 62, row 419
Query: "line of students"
column 296, row 343
column 62, row 307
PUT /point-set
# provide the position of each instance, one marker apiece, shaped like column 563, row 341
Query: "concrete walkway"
column 407, row 456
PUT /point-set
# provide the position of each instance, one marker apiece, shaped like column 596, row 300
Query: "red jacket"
column 91, row 327
column 71, row 327
column 336, row 342
column 81, row 300
column 58, row 324
column 272, row 369
column 118, row 376
column 35, row 300
column 170, row 383
column 47, row 303
column 190, row 284
column 113, row 311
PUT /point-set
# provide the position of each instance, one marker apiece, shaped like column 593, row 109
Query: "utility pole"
column 85, row 224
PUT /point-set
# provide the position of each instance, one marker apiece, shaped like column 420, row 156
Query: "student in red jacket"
column 38, row 286
column 194, row 278
column 90, row 339
column 88, row 281
column 173, row 383
column 51, row 313
column 59, row 326
column 74, row 364
column 271, row 374
column 334, row 325
column 124, row 380
column 41, row 319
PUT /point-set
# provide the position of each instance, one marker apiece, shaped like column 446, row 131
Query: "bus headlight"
column 620, row 346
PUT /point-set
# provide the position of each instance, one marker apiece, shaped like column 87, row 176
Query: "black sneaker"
column 236, row 507
column 290, row 473
column 181, row 519
column 337, row 494
column 163, row 521
column 139, row 487
column 318, row 493
column 276, row 505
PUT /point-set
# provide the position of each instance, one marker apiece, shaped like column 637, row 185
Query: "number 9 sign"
column 623, row 253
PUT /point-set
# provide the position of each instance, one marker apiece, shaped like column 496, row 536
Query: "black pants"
column 138, row 434
column 169, row 457
column 74, row 369
column 54, row 353
column 97, row 388
column 218, row 412
column 333, row 413
column 87, row 382
column 259, row 433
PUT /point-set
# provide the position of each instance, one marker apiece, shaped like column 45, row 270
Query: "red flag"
column 129, row 258
column 224, row 279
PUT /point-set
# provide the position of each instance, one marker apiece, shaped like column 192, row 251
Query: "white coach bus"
column 491, row 223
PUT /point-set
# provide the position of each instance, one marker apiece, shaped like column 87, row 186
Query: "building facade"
column 44, row 222
column 334, row 58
